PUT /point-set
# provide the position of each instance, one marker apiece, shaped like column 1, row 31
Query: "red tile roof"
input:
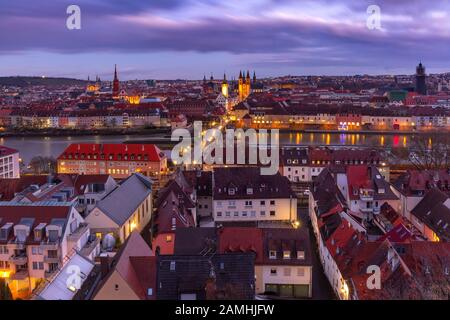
column 5, row 151
column 242, row 239
column 114, row 150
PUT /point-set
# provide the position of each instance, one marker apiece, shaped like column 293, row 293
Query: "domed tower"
column 115, row 91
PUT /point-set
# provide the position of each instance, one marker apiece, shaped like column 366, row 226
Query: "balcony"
column 76, row 235
column 20, row 275
column 19, row 260
column 49, row 245
column 51, row 259
column 50, row 273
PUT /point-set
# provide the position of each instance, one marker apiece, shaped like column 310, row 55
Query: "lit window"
column 272, row 254
column 301, row 255
column 286, row 254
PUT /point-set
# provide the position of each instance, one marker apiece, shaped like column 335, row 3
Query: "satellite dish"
column 108, row 242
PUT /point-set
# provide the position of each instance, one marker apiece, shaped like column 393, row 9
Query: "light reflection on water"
column 53, row 146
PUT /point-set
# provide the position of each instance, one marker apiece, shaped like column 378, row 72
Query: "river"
column 53, row 146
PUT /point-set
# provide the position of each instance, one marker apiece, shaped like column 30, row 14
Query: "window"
column 253, row 213
column 301, row 255
column 272, row 254
column 286, row 254
column 263, row 202
column 262, row 213
column 273, row 272
column 169, row 238
column 287, row 272
column 236, row 214
column 227, row 213
column 300, row 272
column 248, row 203
column 219, row 213
column 272, row 213
column 272, row 202
column 172, row 265
column 244, row 213
column 231, row 203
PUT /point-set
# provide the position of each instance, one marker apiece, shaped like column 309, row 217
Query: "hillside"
column 20, row 81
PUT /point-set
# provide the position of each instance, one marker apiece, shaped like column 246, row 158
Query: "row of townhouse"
column 37, row 239
column 351, row 247
column 424, row 202
column 300, row 164
column 232, row 213
column 42, row 232
column 86, row 120
column 262, row 114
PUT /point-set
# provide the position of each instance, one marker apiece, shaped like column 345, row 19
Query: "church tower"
column 115, row 91
column 225, row 86
column 421, row 86
column 241, row 86
column 247, row 84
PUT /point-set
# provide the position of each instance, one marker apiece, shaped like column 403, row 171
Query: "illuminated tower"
column 421, row 86
column 247, row 84
column 115, row 91
column 241, row 86
column 225, row 86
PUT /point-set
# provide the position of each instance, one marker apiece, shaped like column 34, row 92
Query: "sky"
column 187, row 39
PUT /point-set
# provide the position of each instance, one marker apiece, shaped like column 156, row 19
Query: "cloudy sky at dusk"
column 166, row 39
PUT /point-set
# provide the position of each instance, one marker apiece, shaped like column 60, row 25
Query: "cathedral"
column 244, row 85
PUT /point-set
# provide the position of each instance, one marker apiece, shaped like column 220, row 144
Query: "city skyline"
column 187, row 39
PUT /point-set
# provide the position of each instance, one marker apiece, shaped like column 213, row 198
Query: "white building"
column 243, row 194
column 9, row 163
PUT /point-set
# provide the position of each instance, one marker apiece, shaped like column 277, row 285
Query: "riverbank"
column 368, row 132
column 84, row 132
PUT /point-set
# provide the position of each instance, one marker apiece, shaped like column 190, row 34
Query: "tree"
column 5, row 292
column 430, row 151
column 41, row 165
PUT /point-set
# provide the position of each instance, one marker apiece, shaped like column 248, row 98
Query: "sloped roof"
column 135, row 263
column 121, row 203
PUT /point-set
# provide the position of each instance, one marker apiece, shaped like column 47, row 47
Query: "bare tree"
column 43, row 165
column 430, row 151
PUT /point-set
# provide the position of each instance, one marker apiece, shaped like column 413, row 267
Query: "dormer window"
column 37, row 235
column 286, row 254
column 272, row 254
column 301, row 255
column 249, row 190
column 53, row 235
column 21, row 234
column 231, row 191
column 4, row 231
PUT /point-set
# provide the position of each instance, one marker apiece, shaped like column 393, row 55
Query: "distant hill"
column 20, row 81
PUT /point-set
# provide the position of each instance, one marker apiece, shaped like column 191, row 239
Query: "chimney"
column 105, row 265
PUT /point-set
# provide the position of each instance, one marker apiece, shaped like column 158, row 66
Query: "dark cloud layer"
column 412, row 32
